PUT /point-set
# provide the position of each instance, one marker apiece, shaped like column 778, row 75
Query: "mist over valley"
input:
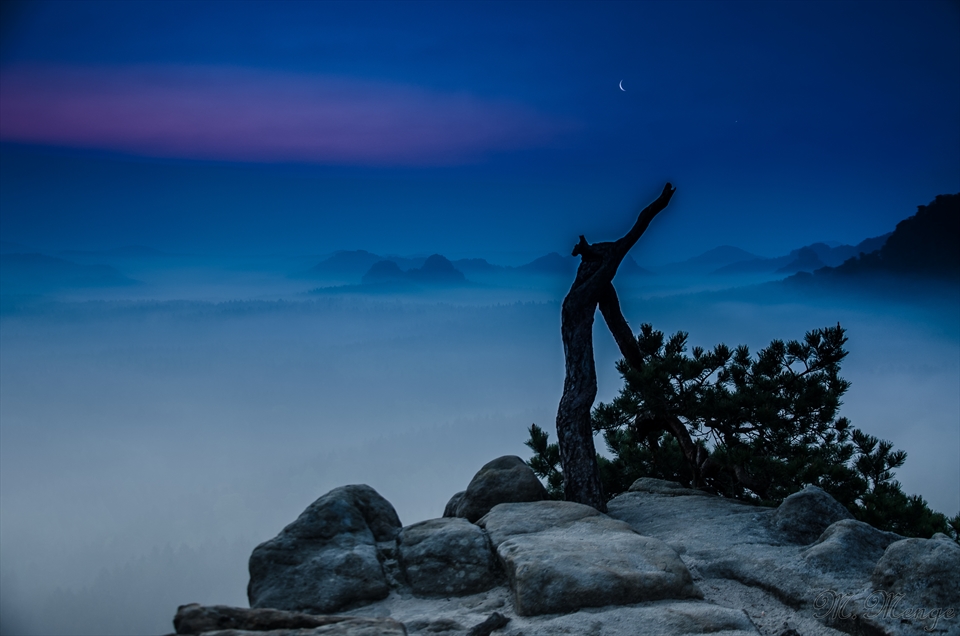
column 155, row 432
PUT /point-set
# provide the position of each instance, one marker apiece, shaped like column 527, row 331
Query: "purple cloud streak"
column 236, row 114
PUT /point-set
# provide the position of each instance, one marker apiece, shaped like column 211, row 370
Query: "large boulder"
column 560, row 556
column 849, row 545
column 803, row 516
column 327, row 559
column 450, row 510
column 506, row 479
column 446, row 557
column 924, row 572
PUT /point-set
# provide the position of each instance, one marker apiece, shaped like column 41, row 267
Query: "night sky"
column 472, row 129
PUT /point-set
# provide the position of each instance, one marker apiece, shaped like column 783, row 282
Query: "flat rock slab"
column 561, row 556
column 669, row 618
column 692, row 523
column 840, row 581
column 353, row 627
column 197, row 619
column 511, row 520
column 457, row 616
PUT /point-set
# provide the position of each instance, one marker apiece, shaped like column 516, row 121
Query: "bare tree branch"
column 592, row 287
column 609, row 305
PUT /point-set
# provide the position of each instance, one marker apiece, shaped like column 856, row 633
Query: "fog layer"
column 147, row 446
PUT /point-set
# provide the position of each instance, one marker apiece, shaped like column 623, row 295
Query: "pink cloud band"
column 235, row 114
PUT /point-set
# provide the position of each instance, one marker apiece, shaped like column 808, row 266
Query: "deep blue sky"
column 472, row 128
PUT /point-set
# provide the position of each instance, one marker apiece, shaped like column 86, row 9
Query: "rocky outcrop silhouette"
column 437, row 270
column 923, row 246
column 805, row 259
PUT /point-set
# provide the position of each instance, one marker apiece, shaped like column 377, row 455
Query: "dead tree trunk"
column 592, row 289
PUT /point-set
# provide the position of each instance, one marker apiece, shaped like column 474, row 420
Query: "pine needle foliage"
column 753, row 428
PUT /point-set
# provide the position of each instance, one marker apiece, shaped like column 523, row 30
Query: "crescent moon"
column 621, row 86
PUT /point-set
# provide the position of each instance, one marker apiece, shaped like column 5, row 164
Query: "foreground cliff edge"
column 665, row 560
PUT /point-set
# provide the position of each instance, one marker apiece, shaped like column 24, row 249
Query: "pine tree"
column 751, row 428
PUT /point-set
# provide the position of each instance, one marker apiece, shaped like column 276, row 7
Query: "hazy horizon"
column 143, row 439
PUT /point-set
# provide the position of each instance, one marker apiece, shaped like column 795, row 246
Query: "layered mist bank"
column 149, row 445
column 163, row 414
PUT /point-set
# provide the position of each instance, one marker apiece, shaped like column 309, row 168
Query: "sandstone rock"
column 709, row 525
column 450, row 510
column 327, row 559
column 494, row 622
column 740, row 558
column 511, row 520
column 656, row 618
column 353, row 627
column 506, row 479
column 560, row 556
column 925, row 571
column 847, row 545
column 433, row 625
column 755, row 575
column 803, row 516
column 666, row 618
column 446, row 557
column 195, row 618
column 222, row 620
column 664, row 487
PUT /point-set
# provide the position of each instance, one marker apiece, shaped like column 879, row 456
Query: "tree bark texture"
column 592, row 289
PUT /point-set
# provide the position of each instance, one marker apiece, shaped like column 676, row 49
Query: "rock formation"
column 506, row 479
column 328, row 558
column 237, row 621
column 560, row 556
column 446, row 557
column 664, row 561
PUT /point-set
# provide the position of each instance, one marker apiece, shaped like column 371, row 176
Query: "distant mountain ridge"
column 551, row 264
column 726, row 260
column 349, row 266
column 807, row 258
column 708, row 262
column 923, row 246
column 353, row 264
column 436, row 270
